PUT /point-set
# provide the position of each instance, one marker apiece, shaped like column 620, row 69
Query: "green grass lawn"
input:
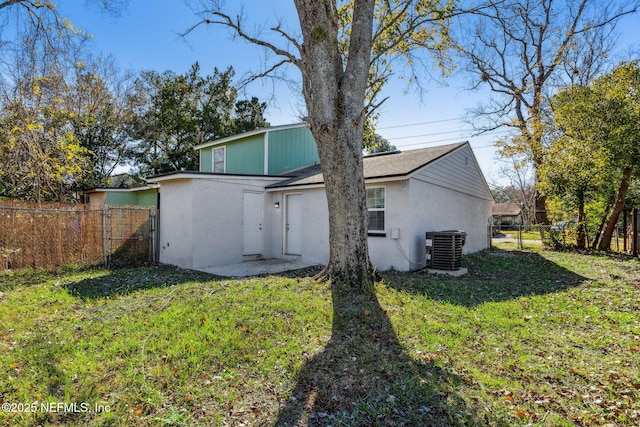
column 526, row 338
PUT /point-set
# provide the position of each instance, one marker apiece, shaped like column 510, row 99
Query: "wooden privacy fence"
column 46, row 237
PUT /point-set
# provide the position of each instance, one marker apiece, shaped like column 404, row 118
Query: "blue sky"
column 146, row 36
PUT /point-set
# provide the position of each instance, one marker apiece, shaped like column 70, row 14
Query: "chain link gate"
column 129, row 235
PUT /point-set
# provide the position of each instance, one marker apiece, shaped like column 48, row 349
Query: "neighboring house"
column 139, row 196
column 506, row 216
column 261, row 195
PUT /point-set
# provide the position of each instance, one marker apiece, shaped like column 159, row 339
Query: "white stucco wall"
column 450, row 195
column 435, row 208
column 413, row 207
column 176, row 223
column 315, row 224
column 385, row 252
column 201, row 220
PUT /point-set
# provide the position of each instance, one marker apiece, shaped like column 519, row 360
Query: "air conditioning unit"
column 444, row 249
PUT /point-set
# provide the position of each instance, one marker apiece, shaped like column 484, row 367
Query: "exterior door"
column 251, row 223
column 293, row 225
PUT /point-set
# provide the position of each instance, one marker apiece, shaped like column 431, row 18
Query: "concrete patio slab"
column 256, row 268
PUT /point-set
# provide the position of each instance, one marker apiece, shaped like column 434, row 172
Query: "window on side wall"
column 376, row 208
column 219, row 164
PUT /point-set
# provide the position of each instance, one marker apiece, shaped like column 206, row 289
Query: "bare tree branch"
column 236, row 25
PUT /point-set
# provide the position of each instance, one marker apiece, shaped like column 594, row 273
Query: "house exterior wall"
column 287, row 150
column 383, row 250
column 291, row 149
column 124, row 197
column 315, row 223
column 246, row 156
column 201, row 220
column 98, row 199
column 449, row 195
column 434, row 208
column 177, row 218
column 147, row 197
column 121, row 198
column 386, row 252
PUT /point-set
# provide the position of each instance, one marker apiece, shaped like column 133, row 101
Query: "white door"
column 251, row 223
column 293, row 225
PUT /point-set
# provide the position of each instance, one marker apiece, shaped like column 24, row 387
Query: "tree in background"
column 40, row 157
column 58, row 109
column 249, row 115
column 97, row 104
column 519, row 188
column 521, row 49
column 576, row 165
column 621, row 90
column 378, row 145
column 172, row 113
column 597, row 151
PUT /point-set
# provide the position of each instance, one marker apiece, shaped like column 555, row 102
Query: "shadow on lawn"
column 363, row 378
column 126, row 281
column 495, row 275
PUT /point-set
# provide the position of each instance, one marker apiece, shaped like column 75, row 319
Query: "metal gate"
column 129, row 235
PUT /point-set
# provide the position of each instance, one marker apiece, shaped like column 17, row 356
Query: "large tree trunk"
column 598, row 235
column 334, row 89
column 541, row 216
column 618, row 206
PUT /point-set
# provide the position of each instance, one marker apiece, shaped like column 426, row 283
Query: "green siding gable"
column 246, row 156
column 288, row 149
column 243, row 156
column 291, row 149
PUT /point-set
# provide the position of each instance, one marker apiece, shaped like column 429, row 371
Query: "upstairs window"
column 219, row 156
column 376, row 208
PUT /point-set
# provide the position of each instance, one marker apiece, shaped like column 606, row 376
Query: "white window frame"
column 382, row 209
column 224, row 159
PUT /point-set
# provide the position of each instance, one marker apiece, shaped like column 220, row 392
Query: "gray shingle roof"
column 384, row 165
column 505, row 209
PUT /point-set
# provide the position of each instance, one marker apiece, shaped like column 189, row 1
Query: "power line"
column 420, row 124
column 459, row 138
column 444, row 140
column 434, row 142
column 431, row 134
